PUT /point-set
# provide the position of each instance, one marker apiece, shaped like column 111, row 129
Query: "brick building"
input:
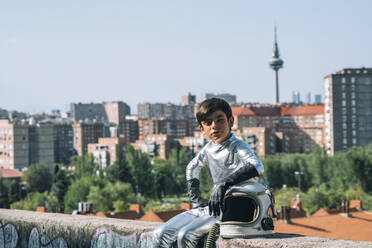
column 297, row 128
column 148, row 111
column 106, row 149
column 176, row 128
column 156, row 145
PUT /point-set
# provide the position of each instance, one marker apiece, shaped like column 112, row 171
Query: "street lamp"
column 299, row 173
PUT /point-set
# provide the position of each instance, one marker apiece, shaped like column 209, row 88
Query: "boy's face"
column 217, row 127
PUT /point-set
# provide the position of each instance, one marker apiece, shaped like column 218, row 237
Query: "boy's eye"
column 208, row 122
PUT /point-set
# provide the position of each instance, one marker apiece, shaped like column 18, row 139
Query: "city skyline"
column 52, row 54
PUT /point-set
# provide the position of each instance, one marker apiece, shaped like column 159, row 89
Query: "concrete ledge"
column 34, row 229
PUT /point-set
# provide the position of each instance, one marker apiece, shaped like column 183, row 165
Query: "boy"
column 230, row 162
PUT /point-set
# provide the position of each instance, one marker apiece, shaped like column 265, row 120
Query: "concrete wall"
column 34, row 229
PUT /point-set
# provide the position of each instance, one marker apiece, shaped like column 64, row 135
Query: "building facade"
column 156, row 145
column 231, row 99
column 113, row 112
column 86, row 133
column 298, row 128
column 105, row 151
column 22, row 145
column 348, row 109
column 63, row 143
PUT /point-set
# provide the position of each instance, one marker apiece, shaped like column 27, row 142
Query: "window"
column 343, row 80
column 345, row 141
column 344, row 102
column 353, row 80
column 354, row 141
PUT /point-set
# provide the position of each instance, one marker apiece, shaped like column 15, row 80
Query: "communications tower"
column 276, row 63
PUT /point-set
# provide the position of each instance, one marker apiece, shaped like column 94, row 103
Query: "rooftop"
column 357, row 227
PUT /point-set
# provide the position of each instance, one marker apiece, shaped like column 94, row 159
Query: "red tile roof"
column 9, row 173
column 238, row 111
column 278, row 111
column 357, row 227
column 285, row 111
column 308, row 110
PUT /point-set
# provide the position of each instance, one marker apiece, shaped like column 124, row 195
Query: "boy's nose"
column 213, row 124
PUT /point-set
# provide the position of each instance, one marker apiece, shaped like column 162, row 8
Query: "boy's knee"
column 186, row 238
column 162, row 237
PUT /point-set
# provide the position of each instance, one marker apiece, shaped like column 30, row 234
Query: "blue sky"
column 56, row 52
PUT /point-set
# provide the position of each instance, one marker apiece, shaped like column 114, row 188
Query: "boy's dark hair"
column 211, row 105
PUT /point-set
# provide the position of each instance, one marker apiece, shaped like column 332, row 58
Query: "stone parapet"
column 20, row 228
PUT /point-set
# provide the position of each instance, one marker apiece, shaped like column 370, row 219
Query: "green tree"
column 14, row 190
column 84, row 165
column 35, row 199
column 179, row 158
column 206, row 182
column 61, row 184
column 360, row 159
column 284, row 196
column 163, row 178
column 318, row 162
column 38, row 178
column 4, row 202
column 79, row 190
column 120, row 170
column 140, row 167
column 113, row 196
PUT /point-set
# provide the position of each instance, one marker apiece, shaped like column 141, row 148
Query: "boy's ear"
column 201, row 127
column 231, row 121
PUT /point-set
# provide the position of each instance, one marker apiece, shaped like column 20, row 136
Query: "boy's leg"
column 166, row 234
column 190, row 234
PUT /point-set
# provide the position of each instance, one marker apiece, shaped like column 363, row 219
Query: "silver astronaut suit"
column 222, row 160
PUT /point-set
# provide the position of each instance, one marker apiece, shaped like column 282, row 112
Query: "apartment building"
column 188, row 99
column 348, row 109
column 262, row 141
column 63, row 142
column 116, row 111
column 148, row 111
column 14, row 145
column 3, row 114
column 195, row 143
column 173, row 127
column 128, row 129
column 86, row 133
column 113, row 112
column 156, row 145
column 301, row 127
column 105, row 151
column 227, row 97
column 41, row 144
column 22, row 145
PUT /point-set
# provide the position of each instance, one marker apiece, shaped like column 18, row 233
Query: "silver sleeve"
column 193, row 168
column 249, row 158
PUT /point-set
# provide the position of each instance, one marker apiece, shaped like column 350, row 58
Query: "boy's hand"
column 201, row 202
column 216, row 199
column 194, row 194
